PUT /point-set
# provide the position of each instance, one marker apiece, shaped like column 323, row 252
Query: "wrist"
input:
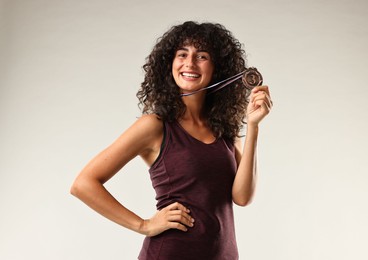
column 142, row 229
column 252, row 131
column 252, row 126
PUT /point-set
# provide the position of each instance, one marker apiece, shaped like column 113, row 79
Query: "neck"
column 194, row 107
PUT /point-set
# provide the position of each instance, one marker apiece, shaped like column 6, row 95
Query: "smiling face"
column 192, row 68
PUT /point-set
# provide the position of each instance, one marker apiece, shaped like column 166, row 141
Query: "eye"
column 203, row 57
column 181, row 54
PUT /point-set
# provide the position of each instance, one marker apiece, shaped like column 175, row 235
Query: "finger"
column 261, row 103
column 181, row 217
column 257, row 96
column 180, row 212
column 176, row 225
column 262, row 106
column 262, row 96
column 181, row 220
column 177, row 205
column 258, row 102
column 261, row 88
column 260, row 110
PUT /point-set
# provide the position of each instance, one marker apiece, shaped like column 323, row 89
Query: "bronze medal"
column 252, row 78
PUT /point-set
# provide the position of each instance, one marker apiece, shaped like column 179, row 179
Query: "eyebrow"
column 186, row 49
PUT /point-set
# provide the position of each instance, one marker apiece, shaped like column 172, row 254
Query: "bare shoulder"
column 148, row 128
column 150, row 123
column 148, row 132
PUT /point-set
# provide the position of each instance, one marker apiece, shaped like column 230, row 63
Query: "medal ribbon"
column 250, row 77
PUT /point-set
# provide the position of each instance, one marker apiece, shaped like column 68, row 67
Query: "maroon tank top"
column 200, row 176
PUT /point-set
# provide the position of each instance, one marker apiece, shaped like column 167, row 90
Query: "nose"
column 190, row 62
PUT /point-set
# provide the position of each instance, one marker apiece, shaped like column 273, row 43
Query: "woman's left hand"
column 259, row 106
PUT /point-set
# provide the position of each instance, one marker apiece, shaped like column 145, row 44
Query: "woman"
column 191, row 143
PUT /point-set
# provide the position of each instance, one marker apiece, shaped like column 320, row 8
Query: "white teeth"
column 190, row 75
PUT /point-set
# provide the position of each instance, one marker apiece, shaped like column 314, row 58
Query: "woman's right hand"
column 174, row 216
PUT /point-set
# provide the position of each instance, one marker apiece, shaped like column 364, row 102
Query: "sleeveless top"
column 199, row 176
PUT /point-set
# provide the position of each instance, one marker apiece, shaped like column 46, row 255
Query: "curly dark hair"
column 225, row 109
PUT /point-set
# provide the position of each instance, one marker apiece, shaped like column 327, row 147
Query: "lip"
column 189, row 77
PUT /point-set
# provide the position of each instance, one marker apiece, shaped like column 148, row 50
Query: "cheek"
column 211, row 70
column 175, row 64
column 173, row 69
column 174, row 73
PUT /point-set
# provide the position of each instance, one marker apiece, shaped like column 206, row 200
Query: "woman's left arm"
column 259, row 106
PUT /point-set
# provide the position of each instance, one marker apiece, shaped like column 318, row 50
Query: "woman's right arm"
column 143, row 138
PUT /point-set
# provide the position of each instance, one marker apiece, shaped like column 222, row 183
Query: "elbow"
column 242, row 202
column 82, row 186
column 75, row 188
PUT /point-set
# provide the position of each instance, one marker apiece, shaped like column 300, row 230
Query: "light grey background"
column 69, row 74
